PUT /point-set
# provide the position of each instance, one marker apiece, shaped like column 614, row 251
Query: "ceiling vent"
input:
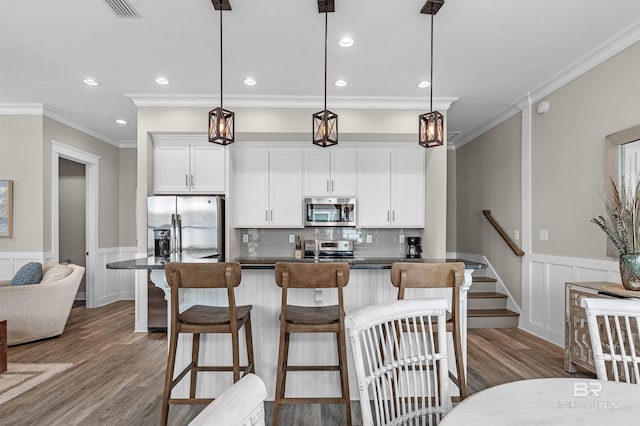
column 122, row 8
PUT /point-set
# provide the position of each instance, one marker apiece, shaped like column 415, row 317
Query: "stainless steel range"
column 341, row 249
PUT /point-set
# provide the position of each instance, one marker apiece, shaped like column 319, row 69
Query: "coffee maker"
column 162, row 242
column 413, row 247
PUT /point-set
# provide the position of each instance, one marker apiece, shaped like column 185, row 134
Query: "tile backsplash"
column 275, row 242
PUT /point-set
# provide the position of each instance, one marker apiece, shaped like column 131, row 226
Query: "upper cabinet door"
column 171, row 169
column 374, row 209
column 252, row 187
column 343, row 173
column 207, row 169
column 317, row 169
column 407, row 189
column 285, row 189
column 329, row 173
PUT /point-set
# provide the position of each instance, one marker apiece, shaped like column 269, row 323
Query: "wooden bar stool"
column 302, row 319
column 199, row 319
column 437, row 275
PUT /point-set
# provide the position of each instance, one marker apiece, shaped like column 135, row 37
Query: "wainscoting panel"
column 543, row 293
column 113, row 284
column 10, row 262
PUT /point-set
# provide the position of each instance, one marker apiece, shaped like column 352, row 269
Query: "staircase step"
column 486, row 300
column 487, row 295
column 483, row 285
column 492, row 318
column 483, row 279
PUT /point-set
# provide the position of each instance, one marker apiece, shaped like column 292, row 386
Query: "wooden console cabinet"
column 577, row 344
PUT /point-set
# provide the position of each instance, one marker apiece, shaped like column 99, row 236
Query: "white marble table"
column 557, row 401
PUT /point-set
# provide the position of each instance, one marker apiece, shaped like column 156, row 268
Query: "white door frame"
column 91, row 162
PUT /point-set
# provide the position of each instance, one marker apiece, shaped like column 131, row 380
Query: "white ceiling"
column 488, row 54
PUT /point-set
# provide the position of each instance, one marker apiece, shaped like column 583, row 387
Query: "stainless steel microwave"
column 330, row 211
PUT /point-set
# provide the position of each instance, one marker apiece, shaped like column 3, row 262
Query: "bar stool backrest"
column 312, row 275
column 426, row 275
column 202, row 275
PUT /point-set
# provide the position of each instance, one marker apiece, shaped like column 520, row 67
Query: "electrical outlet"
column 369, row 238
column 245, row 238
column 543, row 235
column 516, row 234
column 292, row 238
column 401, row 239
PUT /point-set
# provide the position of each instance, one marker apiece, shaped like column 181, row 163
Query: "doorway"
column 72, row 218
column 90, row 162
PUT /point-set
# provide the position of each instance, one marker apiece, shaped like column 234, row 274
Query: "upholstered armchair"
column 38, row 311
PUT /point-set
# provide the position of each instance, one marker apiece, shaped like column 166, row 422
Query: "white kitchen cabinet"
column 391, row 189
column 330, row 173
column 182, row 165
column 268, row 188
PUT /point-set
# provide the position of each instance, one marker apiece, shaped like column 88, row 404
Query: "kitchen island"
column 369, row 284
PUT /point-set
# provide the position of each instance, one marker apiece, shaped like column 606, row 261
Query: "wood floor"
column 117, row 376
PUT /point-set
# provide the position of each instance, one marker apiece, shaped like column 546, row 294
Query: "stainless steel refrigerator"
column 184, row 227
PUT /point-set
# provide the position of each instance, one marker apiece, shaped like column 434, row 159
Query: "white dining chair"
column 614, row 329
column 241, row 404
column 402, row 370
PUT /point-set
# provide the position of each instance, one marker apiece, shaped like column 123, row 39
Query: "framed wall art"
column 6, row 208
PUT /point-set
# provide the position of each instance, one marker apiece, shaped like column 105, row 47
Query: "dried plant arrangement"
column 622, row 220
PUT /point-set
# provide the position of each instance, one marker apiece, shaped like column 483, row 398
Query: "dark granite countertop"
column 355, row 263
column 158, row 262
column 270, row 262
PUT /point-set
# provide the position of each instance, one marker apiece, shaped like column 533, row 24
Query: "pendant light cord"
column 431, row 78
column 325, row 60
column 221, row 106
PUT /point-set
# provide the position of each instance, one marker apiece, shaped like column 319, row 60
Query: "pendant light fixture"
column 221, row 121
column 325, row 122
column 431, row 124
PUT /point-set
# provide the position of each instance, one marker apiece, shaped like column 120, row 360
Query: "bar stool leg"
column 171, row 361
column 462, row 380
column 249, row 341
column 280, row 371
column 287, row 339
column 344, row 373
column 195, row 355
column 235, row 347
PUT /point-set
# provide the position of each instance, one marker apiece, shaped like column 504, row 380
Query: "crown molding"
column 79, row 127
column 43, row 110
column 311, row 102
column 21, row 109
column 601, row 53
column 128, row 144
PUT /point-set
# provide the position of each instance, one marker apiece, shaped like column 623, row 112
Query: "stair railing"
column 516, row 250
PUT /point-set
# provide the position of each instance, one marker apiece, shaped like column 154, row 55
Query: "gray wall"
column 72, row 214
column 127, row 197
column 567, row 154
column 21, row 160
column 452, row 202
column 488, row 177
column 25, row 158
column 107, row 179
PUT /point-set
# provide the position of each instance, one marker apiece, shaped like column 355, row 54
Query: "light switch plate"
column 516, row 234
column 543, row 235
column 369, row 238
column 245, row 238
column 292, row 238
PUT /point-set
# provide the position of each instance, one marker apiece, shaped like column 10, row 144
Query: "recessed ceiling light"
column 424, row 84
column 250, row 81
column 340, row 83
column 162, row 80
column 121, row 121
column 345, row 42
column 91, row 82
